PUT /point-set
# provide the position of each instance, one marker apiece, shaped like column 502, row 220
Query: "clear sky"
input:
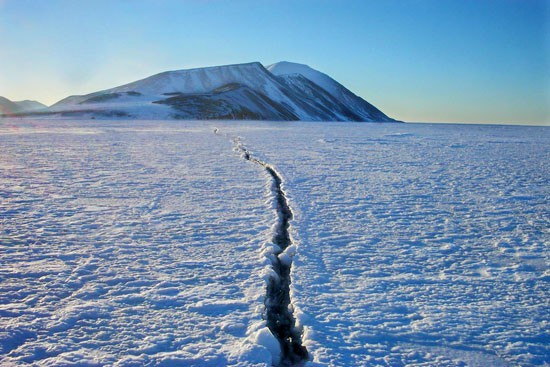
column 484, row 61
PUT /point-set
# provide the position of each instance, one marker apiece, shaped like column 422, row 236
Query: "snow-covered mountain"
column 283, row 91
column 8, row 107
column 349, row 104
column 28, row 105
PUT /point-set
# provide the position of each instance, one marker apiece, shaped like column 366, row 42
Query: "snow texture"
column 148, row 243
column 128, row 245
column 418, row 245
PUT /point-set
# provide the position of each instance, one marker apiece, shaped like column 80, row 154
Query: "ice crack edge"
column 278, row 308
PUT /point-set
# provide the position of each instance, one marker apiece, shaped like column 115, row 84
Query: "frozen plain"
column 142, row 243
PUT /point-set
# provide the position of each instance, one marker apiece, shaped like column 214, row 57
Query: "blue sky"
column 484, row 61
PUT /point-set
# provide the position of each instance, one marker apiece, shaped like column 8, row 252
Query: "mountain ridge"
column 249, row 91
column 8, row 107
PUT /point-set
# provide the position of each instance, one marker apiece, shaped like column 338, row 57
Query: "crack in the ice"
column 279, row 317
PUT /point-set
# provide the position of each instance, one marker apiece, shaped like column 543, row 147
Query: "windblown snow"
column 148, row 243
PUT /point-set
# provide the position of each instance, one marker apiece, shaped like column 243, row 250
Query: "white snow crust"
column 147, row 243
column 130, row 245
column 418, row 245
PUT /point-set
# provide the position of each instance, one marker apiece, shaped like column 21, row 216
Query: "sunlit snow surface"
column 130, row 245
column 140, row 243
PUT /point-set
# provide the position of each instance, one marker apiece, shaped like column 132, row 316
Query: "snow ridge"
column 279, row 317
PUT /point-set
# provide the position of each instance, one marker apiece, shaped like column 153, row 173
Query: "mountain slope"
column 28, row 105
column 316, row 100
column 242, row 91
column 353, row 103
column 134, row 98
column 229, row 102
column 8, row 107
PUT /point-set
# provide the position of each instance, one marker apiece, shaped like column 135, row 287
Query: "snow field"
column 127, row 244
column 148, row 243
column 417, row 245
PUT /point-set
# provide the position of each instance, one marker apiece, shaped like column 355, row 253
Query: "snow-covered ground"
column 129, row 246
column 418, row 244
column 141, row 243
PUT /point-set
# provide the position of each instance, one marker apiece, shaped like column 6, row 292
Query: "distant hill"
column 282, row 91
column 8, row 107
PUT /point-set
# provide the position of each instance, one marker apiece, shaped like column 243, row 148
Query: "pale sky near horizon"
column 476, row 61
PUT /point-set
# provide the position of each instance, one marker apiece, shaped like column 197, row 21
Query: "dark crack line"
column 279, row 318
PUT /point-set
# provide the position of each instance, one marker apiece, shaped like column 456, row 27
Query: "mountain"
column 282, row 91
column 28, row 105
column 351, row 105
column 8, row 107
